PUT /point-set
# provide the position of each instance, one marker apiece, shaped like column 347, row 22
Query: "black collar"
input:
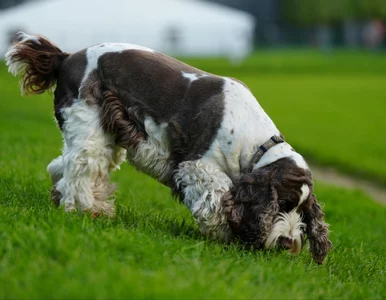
column 273, row 141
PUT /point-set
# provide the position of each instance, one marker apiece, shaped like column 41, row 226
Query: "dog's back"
column 195, row 112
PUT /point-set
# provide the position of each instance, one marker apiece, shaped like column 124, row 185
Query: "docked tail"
column 36, row 61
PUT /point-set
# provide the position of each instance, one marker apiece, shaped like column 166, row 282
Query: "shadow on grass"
column 153, row 221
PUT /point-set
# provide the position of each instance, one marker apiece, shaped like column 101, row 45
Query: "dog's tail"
column 36, row 61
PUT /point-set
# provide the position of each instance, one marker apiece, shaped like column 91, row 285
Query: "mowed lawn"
column 153, row 249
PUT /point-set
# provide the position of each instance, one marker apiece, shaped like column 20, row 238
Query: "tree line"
column 318, row 12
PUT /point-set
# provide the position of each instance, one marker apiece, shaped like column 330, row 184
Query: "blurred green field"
column 298, row 61
column 153, row 249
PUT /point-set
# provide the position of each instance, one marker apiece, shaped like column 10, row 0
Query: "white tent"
column 177, row 27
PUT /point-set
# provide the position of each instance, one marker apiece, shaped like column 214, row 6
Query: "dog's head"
column 274, row 206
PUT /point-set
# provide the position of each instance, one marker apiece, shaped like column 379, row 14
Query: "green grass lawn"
column 153, row 249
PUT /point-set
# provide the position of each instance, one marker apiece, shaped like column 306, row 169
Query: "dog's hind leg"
column 201, row 187
column 88, row 158
column 102, row 189
column 55, row 169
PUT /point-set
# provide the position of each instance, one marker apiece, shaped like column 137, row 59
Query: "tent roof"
column 201, row 28
column 121, row 12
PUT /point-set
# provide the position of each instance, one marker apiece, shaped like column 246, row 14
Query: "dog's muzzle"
column 287, row 232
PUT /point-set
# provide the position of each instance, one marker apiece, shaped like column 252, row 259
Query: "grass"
column 153, row 249
column 298, row 61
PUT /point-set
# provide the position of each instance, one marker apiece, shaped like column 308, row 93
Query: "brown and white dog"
column 204, row 136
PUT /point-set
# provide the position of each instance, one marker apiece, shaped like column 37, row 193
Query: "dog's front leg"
column 201, row 187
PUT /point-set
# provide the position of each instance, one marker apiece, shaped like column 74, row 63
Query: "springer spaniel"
column 204, row 136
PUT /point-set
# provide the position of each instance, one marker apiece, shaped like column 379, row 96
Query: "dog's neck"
column 280, row 151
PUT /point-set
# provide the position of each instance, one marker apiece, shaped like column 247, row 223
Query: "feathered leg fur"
column 202, row 186
column 81, row 175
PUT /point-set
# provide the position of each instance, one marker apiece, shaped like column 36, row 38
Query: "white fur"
column 151, row 156
column 305, row 193
column 287, row 225
column 245, row 125
column 203, row 186
column 119, row 156
column 88, row 157
column 190, row 76
column 280, row 151
column 18, row 67
column 22, row 37
column 55, row 169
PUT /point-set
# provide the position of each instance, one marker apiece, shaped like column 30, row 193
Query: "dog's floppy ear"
column 233, row 211
column 233, row 201
column 317, row 230
column 251, row 206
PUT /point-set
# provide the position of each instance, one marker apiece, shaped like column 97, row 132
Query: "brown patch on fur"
column 253, row 204
column 251, row 207
column 153, row 85
column 69, row 81
column 123, row 123
column 42, row 64
column 91, row 89
column 150, row 79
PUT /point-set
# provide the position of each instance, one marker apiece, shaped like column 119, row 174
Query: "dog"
column 204, row 136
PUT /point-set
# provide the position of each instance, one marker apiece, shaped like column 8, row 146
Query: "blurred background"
column 202, row 27
column 317, row 67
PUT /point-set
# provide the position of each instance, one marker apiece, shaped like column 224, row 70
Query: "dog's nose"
column 285, row 242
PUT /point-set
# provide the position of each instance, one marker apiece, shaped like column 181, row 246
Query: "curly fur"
column 251, row 210
column 115, row 118
column 317, row 230
column 80, row 176
column 267, row 208
column 202, row 186
column 37, row 61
